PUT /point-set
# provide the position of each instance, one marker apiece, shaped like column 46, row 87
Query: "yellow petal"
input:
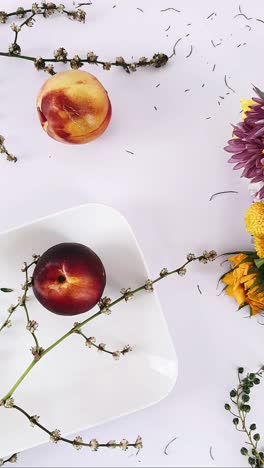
column 246, row 105
column 237, row 259
column 239, row 295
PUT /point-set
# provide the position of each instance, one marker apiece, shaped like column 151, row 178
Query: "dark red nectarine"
column 69, row 279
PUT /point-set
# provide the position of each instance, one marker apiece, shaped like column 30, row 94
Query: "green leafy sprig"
column 240, row 408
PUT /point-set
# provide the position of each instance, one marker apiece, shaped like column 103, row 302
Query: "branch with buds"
column 3, row 150
column 21, row 302
column 77, row 442
column 101, row 347
column 61, row 55
column 105, row 306
column 11, row 459
column 46, row 9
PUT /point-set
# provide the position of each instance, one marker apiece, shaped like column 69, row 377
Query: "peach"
column 69, row 279
column 74, row 107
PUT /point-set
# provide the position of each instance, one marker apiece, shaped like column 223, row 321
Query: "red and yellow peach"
column 74, row 107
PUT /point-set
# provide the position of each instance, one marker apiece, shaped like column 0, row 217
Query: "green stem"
column 23, row 376
column 64, row 337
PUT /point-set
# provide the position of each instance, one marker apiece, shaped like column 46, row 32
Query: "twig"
column 260, row 20
column 158, row 60
column 140, row 9
column 3, row 150
column 199, row 289
column 227, row 85
column 12, row 308
column 44, row 10
column 55, row 436
column 11, row 459
column 130, row 152
column 105, row 306
column 211, row 455
column 31, row 324
column 7, row 323
column 167, row 446
column 91, row 342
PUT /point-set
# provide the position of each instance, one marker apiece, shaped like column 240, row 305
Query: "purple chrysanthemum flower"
column 247, row 144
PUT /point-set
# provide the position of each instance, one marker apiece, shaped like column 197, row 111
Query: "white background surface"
column 163, row 190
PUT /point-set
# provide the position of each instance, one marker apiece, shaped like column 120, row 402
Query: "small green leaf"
column 6, row 290
column 259, row 92
column 259, row 262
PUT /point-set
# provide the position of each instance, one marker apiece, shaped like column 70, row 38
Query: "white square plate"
column 90, row 385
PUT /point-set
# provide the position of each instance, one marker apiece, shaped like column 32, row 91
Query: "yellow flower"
column 254, row 220
column 256, row 301
column 234, row 279
column 239, row 282
column 246, row 105
column 259, row 246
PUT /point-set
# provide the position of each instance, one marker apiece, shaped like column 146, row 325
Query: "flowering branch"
column 77, row 442
column 11, row 459
column 105, row 305
column 3, row 150
column 104, row 308
column 21, row 301
column 240, row 397
column 61, row 55
column 7, row 323
column 32, row 325
column 46, row 9
column 101, row 347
